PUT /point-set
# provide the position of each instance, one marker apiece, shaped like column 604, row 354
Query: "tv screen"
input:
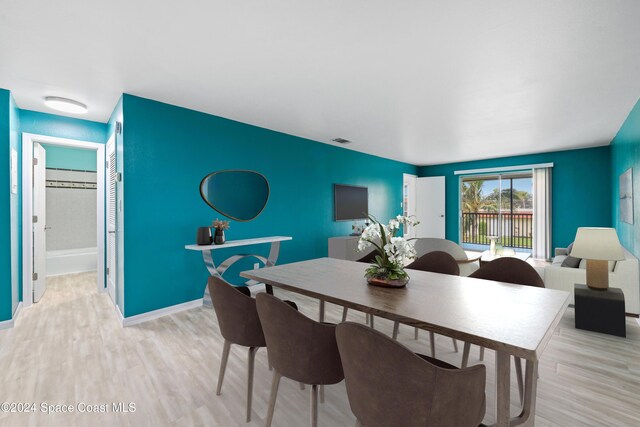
column 351, row 202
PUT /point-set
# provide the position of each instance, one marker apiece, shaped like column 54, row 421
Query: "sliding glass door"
column 497, row 206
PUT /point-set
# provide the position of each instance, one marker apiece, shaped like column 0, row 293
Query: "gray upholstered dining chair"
column 507, row 270
column 239, row 324
column 435, row 262
column 368, row 258
column 299, row 348
column 389, row 385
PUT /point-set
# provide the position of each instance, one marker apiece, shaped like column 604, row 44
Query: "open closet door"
column 430, row 207
column 39, row 221
column 111, row 218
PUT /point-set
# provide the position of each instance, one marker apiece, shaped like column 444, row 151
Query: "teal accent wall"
column 62, row 127
column 5, row 208
column 581, row 188
column 16, row 214
column 168, row 150
column 625, row 154
column 70, row 158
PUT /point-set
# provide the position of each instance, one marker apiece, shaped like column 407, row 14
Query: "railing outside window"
column 515, row 229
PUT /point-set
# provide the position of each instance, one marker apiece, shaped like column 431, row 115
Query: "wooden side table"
column 600, row 310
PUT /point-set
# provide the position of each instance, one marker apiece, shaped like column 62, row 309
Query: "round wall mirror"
column 237, row 194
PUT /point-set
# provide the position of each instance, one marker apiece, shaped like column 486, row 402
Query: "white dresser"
column 345, row 247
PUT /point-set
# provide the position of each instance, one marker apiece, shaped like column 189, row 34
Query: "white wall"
column 71, row 210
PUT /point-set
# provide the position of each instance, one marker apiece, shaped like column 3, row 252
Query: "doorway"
column 409, row 202
column 63, row 212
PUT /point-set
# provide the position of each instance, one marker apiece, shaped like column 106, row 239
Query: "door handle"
column 47, row 228
column 111, row 232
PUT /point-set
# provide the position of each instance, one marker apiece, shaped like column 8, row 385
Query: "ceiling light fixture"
column 341, row 141
column 65, row 105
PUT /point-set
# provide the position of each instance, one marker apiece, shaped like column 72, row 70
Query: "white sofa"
column 623, row 275
column 467, row 266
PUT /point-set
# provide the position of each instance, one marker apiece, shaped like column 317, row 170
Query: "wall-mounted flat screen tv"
column 351, row 202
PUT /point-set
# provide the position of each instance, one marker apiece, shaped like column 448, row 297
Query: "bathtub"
column 67, row 261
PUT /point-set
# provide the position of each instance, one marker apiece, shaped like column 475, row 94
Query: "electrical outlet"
column 256, row 266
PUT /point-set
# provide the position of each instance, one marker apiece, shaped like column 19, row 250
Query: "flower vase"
column 384, row 282
column 218, row 238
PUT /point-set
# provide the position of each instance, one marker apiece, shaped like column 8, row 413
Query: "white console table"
column 345, row 247
column 207, row 256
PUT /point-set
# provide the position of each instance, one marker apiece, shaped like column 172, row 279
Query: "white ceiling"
column 424, row 82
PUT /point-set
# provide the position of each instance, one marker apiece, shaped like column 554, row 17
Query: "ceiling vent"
column 341, row 141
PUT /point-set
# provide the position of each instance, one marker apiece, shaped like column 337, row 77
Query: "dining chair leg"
column 465, row 354
column 432, row 341
column 272, row 399
column 396, row 328
column 314, row 405
column 321, row 389
column 344, row 314
column 415, row 333
column 321, row 315
column 518, row 363
column 371, row 321
column 455, row 344
column 223, row 365
column 481, row 354
column 252, row 363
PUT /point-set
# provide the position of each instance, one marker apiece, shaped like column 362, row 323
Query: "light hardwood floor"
column 70, row 348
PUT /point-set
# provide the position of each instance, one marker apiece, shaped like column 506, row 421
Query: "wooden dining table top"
column 502, row 316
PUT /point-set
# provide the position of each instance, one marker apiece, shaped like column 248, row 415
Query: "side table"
column 218, row 271
column 600, row 310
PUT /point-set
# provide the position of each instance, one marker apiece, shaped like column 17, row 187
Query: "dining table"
column 513, row 320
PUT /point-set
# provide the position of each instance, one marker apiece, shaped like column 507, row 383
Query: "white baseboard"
column 119, row 314
column 151, row 315
column 8, row 324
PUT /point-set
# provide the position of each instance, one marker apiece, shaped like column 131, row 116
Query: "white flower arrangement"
column 393, row 251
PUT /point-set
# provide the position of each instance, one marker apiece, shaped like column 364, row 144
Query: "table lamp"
column 598, row 246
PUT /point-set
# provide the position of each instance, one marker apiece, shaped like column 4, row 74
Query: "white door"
column 111, row 218
column 430, row 206
column 39, row 222
column 409, row 202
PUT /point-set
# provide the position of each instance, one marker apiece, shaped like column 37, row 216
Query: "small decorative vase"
column 218, row 238
column 204, row 236
column 388, row 283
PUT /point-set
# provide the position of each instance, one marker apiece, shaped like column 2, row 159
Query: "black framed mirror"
column 237, row 194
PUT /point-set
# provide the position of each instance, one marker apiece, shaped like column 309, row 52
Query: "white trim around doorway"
column 28, row 139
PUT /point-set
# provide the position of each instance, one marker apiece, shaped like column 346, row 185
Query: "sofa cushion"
column 571, row 262
column 583, row 264
column 558, row 260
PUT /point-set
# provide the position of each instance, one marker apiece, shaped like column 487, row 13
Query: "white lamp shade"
column 598, row 244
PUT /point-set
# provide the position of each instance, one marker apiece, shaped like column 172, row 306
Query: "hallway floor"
column 71, row 349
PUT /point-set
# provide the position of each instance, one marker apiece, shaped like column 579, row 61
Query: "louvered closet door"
column 111, row 218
